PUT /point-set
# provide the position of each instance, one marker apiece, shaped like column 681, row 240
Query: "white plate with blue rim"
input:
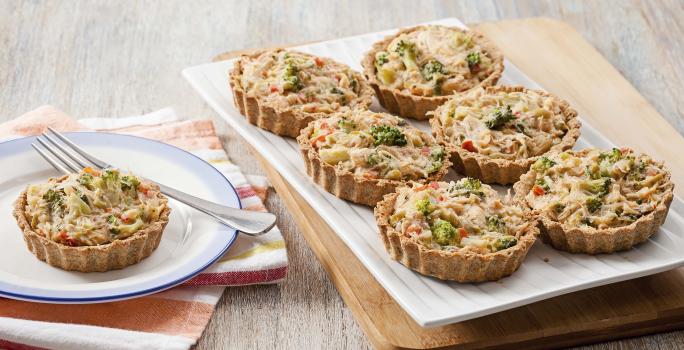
column 190, row 243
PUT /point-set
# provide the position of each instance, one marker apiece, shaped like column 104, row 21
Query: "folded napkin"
column 173, row 319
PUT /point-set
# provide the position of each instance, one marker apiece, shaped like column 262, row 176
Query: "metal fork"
column 67, row 157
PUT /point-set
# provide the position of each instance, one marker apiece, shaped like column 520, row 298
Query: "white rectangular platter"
column 544, row 274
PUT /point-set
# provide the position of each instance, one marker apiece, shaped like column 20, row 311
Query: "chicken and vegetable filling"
column 595, row 188
column 92, row 207
column 503, row 125
column 434, row 61
column 465, row 216
column 376, row 146
column 289, row 79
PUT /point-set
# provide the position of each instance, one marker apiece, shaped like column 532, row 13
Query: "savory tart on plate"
column 597, row 201
column 92, row 221
column 416, row 70
column 495, row 134
column 462, row 231
column 362, row 155
column 282, row 91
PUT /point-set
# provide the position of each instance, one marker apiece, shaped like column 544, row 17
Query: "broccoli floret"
column 403, row 47
column 499, row 117
column 504, row 242
column 290, row 66
column 443, row 232
column 432, row 69
column 373, row 158
column 111, row 219
column 86, row 180
column 110, row 176
column 425, row 206
column 437, row 154
column 387, row 135
column 636, row 173
column 607, row 159
column 473, row 59
column 54, row 199
column 435, row 166
column 407, row 51
column 594, row 203
column 543, row 164
column 292, row 81
column 468, row 185
column 381, row 59
column 346, row 124
column 593, row 171
column 129, row 182
column 612, row 156
column 473, row 185
column 541, row 182
column 599, row 187
column 496, row 224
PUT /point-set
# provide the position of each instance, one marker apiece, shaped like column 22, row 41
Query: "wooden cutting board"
column 553, row 54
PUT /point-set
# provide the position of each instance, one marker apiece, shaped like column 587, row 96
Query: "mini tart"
column 495, row 134
column 362, row 155
column 594, row 201
column 441, row 61
column 461, row 231
column 92, row 221
column 282, row 91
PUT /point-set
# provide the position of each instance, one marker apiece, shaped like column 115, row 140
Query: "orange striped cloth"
column 173, row 319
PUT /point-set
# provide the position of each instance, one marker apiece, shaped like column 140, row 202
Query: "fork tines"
column 63, row 154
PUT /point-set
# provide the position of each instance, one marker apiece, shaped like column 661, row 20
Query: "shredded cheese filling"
column 600, row 189
column 464, row 216
column 289, row 79
column 503, row 125
column 376, row 146
column 92, row 207
column 433, row 61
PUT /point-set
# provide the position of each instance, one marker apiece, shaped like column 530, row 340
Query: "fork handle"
column 251, row 223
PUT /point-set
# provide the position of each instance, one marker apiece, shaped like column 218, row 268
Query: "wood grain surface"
column 113, row 59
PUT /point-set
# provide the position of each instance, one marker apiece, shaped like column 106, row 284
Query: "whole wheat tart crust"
column 504, row 171
column 591, row 240
column 346, row 185
column 455, row 266
column 112, row 256
column 282, row 121
column 408, row 105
